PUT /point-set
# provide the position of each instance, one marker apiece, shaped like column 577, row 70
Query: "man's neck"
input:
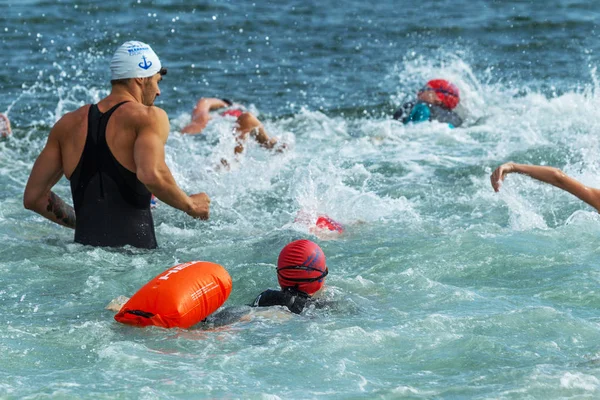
column 125, row 93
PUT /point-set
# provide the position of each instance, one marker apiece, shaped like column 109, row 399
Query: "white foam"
column 586, row 382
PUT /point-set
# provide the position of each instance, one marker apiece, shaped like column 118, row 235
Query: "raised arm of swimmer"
column 551, row 175
column 4, row 126
column 153, row 172
column 201, row 114
column 46, row 172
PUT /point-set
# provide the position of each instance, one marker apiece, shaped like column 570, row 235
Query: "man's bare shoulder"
column 71, row 121
column 141, row 119
column 139, row 111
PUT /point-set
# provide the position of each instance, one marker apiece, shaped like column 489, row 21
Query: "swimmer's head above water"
column 301, row 266
column 137, row 60
column 440, row 92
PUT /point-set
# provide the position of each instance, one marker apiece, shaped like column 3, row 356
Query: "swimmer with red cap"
column 247, row 123
column 435, row 102
column 325, row 227
column 4, row 126
column 301, row 272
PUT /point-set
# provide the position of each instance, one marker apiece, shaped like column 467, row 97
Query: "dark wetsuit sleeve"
column 269, row 298
column 294, row 302
column 456, row 121
column 446, row 116
column 402, row 113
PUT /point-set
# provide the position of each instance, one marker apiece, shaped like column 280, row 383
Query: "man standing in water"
column 113, row 153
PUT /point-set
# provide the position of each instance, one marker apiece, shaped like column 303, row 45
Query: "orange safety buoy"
column 180, row 297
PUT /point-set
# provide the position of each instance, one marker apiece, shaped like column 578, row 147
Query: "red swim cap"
column 301, row 264
column 235, row 112
column 447, row 92
column 324, row 222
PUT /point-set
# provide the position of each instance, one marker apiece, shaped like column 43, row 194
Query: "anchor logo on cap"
column 146, row 64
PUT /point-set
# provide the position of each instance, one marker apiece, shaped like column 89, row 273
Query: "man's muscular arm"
column 46, row 172
column 152, row 170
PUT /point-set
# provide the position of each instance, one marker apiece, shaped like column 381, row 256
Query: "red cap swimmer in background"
column 235, row 110
column 323, row 227
column 446, row 92
column 325, row 222
column 301, row 265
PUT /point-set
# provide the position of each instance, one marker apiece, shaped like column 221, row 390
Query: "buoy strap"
column 140, row 313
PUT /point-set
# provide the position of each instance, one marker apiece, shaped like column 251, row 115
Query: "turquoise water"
column 439, row 288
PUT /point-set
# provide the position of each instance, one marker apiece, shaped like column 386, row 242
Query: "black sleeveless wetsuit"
column 112, row 207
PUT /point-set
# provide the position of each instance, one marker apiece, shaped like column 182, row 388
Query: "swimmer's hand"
column 5, row 130
column 500, row 173
column 200, row 207
column 280, row 147
column 116, row 304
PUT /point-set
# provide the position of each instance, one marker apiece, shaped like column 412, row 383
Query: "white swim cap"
column 134, row 60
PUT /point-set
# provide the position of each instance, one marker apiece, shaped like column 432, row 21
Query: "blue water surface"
column 439, row 287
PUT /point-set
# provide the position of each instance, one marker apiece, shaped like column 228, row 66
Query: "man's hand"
column 498, row 175
column 200, row 206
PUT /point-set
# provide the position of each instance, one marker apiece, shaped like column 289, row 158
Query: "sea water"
column 438, row 288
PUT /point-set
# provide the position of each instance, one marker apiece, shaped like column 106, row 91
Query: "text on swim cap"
column 135, row 50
